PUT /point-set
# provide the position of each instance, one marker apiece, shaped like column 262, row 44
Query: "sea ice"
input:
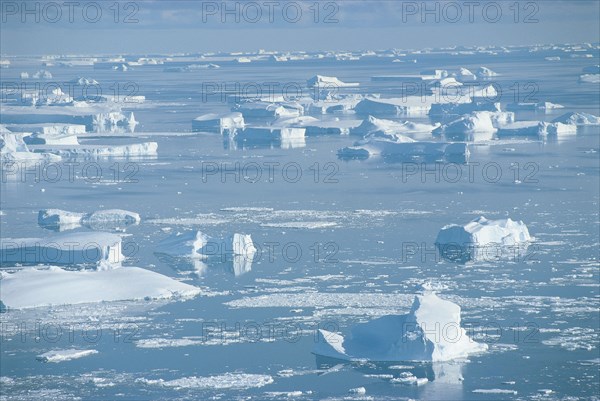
column 37, row 287
column 536, row 128
column 372, row 124
column 14, row 148
column 90, row 151
column 196, row 244
column 431, row 331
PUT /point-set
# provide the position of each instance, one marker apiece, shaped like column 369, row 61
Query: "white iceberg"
column 474, row 122
column 315, row 127
column 430, row 332
column 410, row 105
column 63, row 249
column 267, row 109
column 372, row 124
column 42, row 74
column 328, row 82
column 482, row 232
column 484, row 72
column 251, row 134
column 39, row 287
column 224, row 123
column 590, row 78
column 533, row 106
column 13, row 148
column 536, row 128
column 577, row 119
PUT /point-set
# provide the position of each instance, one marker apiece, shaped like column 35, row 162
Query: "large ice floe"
column 536, row 129
column 577, row 119
column 61, row 220
column 429, row 332
column 52, row 286
column 63, row 249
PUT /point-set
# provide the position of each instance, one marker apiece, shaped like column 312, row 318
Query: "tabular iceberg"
column 99, row 220
column 481, row 232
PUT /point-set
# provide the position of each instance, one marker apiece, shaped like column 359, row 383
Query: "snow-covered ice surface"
column 340, row 246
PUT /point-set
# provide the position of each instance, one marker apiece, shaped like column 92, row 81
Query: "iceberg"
column 474, row 122
column 589, row 78
column 577, row 119
column 410, row 105
column 63, row 249
column 196, row 244
column 269, row 134
column 442, row 109
column 63, row 355
column 482, row 232
column 398, row 147
column 484, row 72
column 224, row 123
column 533, row 106
column 315, row 127
column 536, row 128
column 52, row 286
column 99, row 220
column 13, row 148
column 429, row 332
column 328, row 82
column 267, row 109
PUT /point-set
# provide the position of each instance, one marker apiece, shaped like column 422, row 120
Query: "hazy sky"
column 108, row 27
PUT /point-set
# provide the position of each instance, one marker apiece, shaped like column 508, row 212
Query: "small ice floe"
column 407, row 378
column 577, row 119
column 431, row 332
column 52, row 286
column 226, row 123
column 328, row 82
column 63, row 249
column 589, row 78
column 60, row 220
column 63, row 355
column 358, row 390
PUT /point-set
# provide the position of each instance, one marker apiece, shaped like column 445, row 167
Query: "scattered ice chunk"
column 429, row 332
column 64, row 355
column 358, row 390
column 71, row 248
column 42, row 74
column 33, row 287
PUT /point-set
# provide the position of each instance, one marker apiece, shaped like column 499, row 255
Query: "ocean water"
column 340, row 242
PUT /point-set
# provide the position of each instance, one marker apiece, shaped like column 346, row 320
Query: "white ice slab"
column 482, row 232
column 37, row 287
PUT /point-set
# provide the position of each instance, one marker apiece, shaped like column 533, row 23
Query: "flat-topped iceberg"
column 430, row 332
column 224, row 123
column 373, row 124
column 63, row 249
column 268, row 109
column 482, row 232
column 536, row 128
column 13, row 148
column 577, row 119
column 39, row 287
column 410, row 105
column 99, row 220
column 330, row 82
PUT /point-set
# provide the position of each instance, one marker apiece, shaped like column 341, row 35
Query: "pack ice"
column 63, row 249
column 99, row 220
column 430, row 332
column 38, row 287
